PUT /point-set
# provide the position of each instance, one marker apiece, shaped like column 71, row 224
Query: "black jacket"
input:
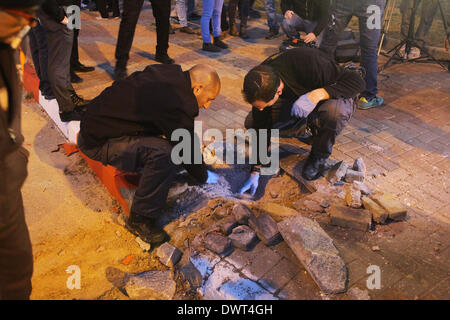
column 314, row 10
column 306, row 69
column 152, row 102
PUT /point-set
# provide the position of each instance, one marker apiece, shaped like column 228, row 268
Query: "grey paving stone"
column 218, row 244
column 151, row 285
column 346, row 217
column 242, row 213
column 227, row 225
column 316, row 251
column 266, row 229
column 243, row 238
column 168, row 254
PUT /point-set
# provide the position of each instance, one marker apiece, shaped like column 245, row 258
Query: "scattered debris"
column 151, row 285
column 227, row 225
column 337, row 172
column 243, row 238
column 168, row 254
column 316, row 251
column 346, row 217
column 395, row 209
column 353, row 175
column 128, row 259
column 276, row 211
column 364, row 188
column 266, row 229
column 190, row 274
column 352, row 196
column 359, row 166
column 242, row 213
column 218, row 244
column 379, row 214
column 144, row 245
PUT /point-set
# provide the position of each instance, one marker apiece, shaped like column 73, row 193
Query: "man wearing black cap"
column 16, row 259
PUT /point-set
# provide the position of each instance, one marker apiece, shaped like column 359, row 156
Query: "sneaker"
column 313, row 167
column 233, row 30
column 188, row 30
column 210, row 47
column 175, row 19
column 75, row 115
column 364, row 104
column 243, row 32
column 414, row 53
column 219, row 43
column 74, row 78
column 164, row 58
column 79, row 67
column 272, row 34
column 146, row 229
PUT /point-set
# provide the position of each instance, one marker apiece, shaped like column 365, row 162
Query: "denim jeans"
column 271, row 14
column 296, row 23
column 211, row 9
column 181, row 9
column 342, row 11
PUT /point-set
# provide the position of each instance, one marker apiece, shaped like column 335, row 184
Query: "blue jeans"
column 271, row 14
column 342, row 11
column 211, row 9
column 181, row 9
column 296, row 23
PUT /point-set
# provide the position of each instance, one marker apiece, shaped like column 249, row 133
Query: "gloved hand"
column 302, row 107
column 252, row 184
column 212, row 177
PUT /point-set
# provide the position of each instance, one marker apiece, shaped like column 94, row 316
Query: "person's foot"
column 74, row 78
column 313, row 167
column 49, row 96
column 233, row 30
column 171, row 31
column 146, row 229
column 219, row 43
column 175, row 19
column 164, row 58
column 194, row 16
column 188, row 30
column 79, row 67
column 210, row 47
column 272, row 34
column 364, row 103
column 74, row 115
column 101, row 18
column 243, row 32
column 77, row 100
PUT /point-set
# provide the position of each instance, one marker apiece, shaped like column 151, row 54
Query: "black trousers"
column 244, row 7
column 130, row 16
column 149, row 156
column 39, row 53
column 113, row 4
column 326, row 121
column 60, row 42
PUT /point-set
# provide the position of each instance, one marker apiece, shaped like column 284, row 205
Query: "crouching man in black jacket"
column 299, row 87
column 130, row 124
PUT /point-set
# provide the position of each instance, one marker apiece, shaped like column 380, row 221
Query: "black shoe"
column 146, row 229
column 171, row 31
column 77, row 100
column 188, row 30
column 164, row 58
column 120, row 73
column 74, row 78
column 79, row 67
column 194, row 16
column 49, row 96
column 219, row 43
column 210, row 47
column 233, row 29
column 243, row 32
column 272, row 34
column 74, row 115
column 313, row 167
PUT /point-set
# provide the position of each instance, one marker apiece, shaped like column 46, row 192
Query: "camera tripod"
column 410, row 41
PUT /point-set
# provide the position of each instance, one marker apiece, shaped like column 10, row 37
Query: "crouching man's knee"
column 335, row 114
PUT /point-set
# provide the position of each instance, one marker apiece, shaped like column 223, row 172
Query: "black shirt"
column 152, row 102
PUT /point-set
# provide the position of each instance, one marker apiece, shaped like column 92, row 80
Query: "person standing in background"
column 243, row 16
column 16, row 257
column 212, row 9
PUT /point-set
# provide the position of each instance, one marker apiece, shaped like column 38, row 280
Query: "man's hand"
column 252, row 184
column 289, row 14
column 65, row 21
column 310, row 37
column 212, row 177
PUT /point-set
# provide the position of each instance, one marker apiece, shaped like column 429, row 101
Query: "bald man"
column 130, row 124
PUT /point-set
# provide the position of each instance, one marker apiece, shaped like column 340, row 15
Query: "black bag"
column 348, row 47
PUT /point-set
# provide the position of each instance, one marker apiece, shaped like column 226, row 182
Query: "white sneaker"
column 414, row 53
